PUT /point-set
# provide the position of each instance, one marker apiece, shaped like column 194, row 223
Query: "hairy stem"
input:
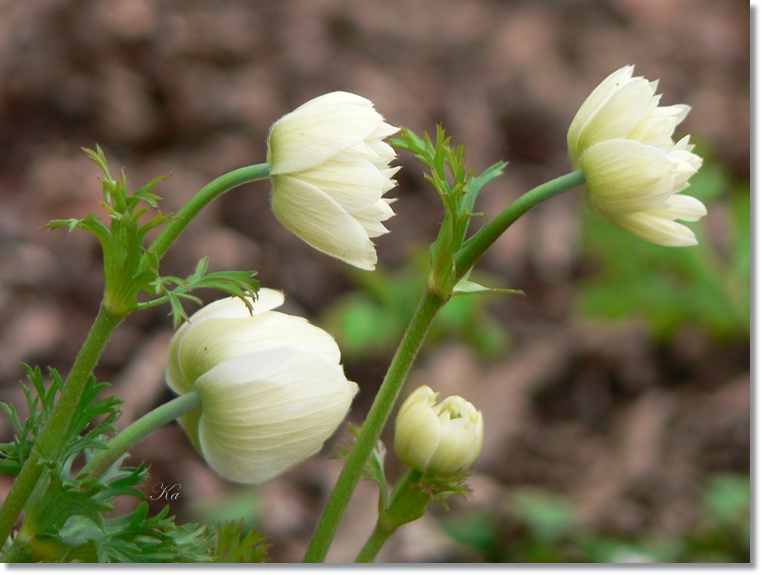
column 139, row 429
column 371, row 430
column 55, row 433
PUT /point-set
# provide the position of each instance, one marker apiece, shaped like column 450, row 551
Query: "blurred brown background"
column 625, row 428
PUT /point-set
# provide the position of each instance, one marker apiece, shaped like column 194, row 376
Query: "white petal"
column 321, row 222
column 265, row 412
column 354, row 185
column 624, row 176
column 458, row 447
column 232, row 308
column 417, row 433
column 371, row 218
column 597, row 98
column 338, row 97
column 619, row 115
column 680, row 207
column 222, row 339
column 309, row 136
column 662, row 231
column 656, row 128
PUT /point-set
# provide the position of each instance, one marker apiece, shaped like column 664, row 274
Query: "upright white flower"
column 272, row 389
column 622, row 141
column 330, row 169
column 439, row 438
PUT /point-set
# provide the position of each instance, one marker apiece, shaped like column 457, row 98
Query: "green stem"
column 56, row 431
column 209, row 192
column 411, row 342
column 389, row 518
column 371, row 430
column 478, row 244
column 139, row 429
column 373, row 545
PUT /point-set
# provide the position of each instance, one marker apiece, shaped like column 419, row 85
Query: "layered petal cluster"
column 622, row 141
column 272, row 388
column 443, row 439
column 329, row 167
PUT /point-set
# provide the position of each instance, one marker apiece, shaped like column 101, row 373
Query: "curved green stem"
column 411, row 342
column 371, row 430
column 478, row 244
column 209, row 192
column 56, row 431
column 139, row 429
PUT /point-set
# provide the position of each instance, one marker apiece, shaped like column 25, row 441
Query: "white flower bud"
column 272, row 389
column 442, row 439
column 330, row 168
column 622, row 141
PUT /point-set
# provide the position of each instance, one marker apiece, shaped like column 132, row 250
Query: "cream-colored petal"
column 175, row 377
column 321, row 222
column 619, row 115
column 233, row 307
column 307, row 137
column 417, row 434
column 655, row 229
column 597, row 98
column 625, row 176
column 371, row 218
column 680, row 207
column 656, row 128
column 230, row 308
column 458, row 447
column 354, row 185
column 222, row 339
column 265, row 412
column 338, row 97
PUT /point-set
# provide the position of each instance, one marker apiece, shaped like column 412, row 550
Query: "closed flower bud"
column 330, row 168
column 621, row 139
column 443, row 438
column 272, row 389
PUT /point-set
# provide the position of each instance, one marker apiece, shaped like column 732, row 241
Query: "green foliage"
column 41, row 401
column 66, row 517
column 235, row 547
column 129, row 267
column 369, row 322
column 235, row 283
column 539, row 527
column 457, row 188
column 707, row 285
column 133, row 538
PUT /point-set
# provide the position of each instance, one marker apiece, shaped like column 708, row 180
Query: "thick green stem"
column 209, row 192
column 56, row 431
column 371, row 430
column 476, row 247
column 139, row 429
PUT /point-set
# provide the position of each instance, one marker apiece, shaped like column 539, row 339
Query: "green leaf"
column 466, row 287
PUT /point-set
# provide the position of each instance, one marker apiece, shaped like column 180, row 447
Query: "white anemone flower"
column 443, row 439
column 272, row 388
column 329, row 167
column 634, row 172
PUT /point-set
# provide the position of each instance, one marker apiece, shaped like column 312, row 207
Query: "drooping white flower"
column 439, row 438
column 272, row 389
column 329, row 170
column 634, row 172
